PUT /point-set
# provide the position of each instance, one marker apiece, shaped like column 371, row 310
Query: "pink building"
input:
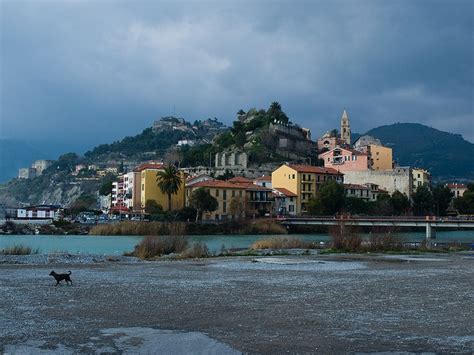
column 345, row 159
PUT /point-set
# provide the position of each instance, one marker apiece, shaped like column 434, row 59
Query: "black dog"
column 60, row 277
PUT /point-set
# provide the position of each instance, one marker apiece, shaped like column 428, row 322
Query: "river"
column 117, row 245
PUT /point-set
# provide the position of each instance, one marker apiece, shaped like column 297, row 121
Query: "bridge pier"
column 430, row 233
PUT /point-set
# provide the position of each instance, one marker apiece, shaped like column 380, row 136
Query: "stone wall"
column 231, row 160
column 390, row 180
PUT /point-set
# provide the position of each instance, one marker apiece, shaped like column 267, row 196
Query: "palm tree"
column 169, row 181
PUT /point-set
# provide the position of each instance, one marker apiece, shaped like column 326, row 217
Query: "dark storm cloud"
column 96, row 71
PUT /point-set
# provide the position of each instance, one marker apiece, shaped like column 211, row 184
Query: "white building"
column 285, row 202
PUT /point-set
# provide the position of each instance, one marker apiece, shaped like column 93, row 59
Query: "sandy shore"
column 324, row 304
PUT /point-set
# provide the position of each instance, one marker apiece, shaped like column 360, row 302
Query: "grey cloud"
column 101, row 70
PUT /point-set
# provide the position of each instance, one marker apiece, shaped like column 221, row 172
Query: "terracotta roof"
column 285, row 192
column 314, row 169
column 240, row 179
column 218, row 184
column 264, row 178
column 456, row 186
column 144, row 166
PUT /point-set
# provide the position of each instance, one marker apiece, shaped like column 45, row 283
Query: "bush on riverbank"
column 283, row 243
column 153, row 246
column 197, row 250
column 18, row 250
column 261, row 226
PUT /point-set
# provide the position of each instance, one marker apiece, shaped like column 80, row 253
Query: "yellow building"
column 420, row 177
column 236, row 198
column 149, row 189
column 380, row 157
column 304, row 181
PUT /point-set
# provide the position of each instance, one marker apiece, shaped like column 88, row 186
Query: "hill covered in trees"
column 448, row 156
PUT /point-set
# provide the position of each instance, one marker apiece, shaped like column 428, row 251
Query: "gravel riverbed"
column 227, row 305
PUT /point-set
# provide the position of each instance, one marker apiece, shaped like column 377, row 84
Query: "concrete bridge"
column 430, row 223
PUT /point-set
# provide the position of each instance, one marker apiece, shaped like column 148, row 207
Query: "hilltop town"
column 264, row 165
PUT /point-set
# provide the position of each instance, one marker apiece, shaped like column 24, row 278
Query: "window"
column 233, row 193
column 143, row 187
column 293, row 176
column 224, row 195
column 328, row 158
column 224, row 206
column 291, row 199
column 217, row 193
column 240, row 193
column 291, row 208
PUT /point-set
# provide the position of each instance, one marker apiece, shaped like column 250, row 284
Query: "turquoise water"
column 117, row 245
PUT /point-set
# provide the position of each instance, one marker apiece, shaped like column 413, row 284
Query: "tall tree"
column 329, row 199
column 422, row 201
column 275, row 113
column 442, row 197
column 400, row 203
column 169, row 181
column 465, row 204
column 202, row 201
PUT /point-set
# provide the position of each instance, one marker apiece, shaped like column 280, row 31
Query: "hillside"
column 448, row 156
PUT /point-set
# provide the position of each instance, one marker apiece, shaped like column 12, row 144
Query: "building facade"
column 420, row 177
column 149, row 189
column 304, row 181
column 400, row 179
column 457, row 189
column 345, row 159
column 26, row 173
column 131, row 190
column 285, row 202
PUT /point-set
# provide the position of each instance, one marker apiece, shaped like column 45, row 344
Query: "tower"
column 345, row 128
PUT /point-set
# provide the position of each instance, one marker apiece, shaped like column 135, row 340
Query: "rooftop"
column 315, row 169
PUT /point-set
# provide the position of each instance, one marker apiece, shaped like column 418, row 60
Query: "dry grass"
column 283, row 243
column 345, row 238
column 18, row 250
column 385, row 242
column 152, row 246
column 139, row 228
column 197, row 250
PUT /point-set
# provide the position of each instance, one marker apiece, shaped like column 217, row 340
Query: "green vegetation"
column 202, row 201
column 465, row 204
column 169, row 181
column 18, row 250
column 329, row 199
column 153, row 208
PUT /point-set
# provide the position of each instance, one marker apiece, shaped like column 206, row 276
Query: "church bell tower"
column 345, row 128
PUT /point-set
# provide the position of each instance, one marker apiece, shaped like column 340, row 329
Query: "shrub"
column 18, row 250
column 283, row 243
column 345, row 238
column 387, row 241
column 197, row 250
column 152, row 246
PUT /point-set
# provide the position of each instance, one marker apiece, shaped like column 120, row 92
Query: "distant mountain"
column 448, row 156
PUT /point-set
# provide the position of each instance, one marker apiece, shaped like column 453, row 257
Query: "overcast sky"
column 89, row 72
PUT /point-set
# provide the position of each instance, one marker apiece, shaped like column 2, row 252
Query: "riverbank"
column 323, row 304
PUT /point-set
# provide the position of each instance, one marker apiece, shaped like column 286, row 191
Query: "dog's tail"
column 70, row 272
